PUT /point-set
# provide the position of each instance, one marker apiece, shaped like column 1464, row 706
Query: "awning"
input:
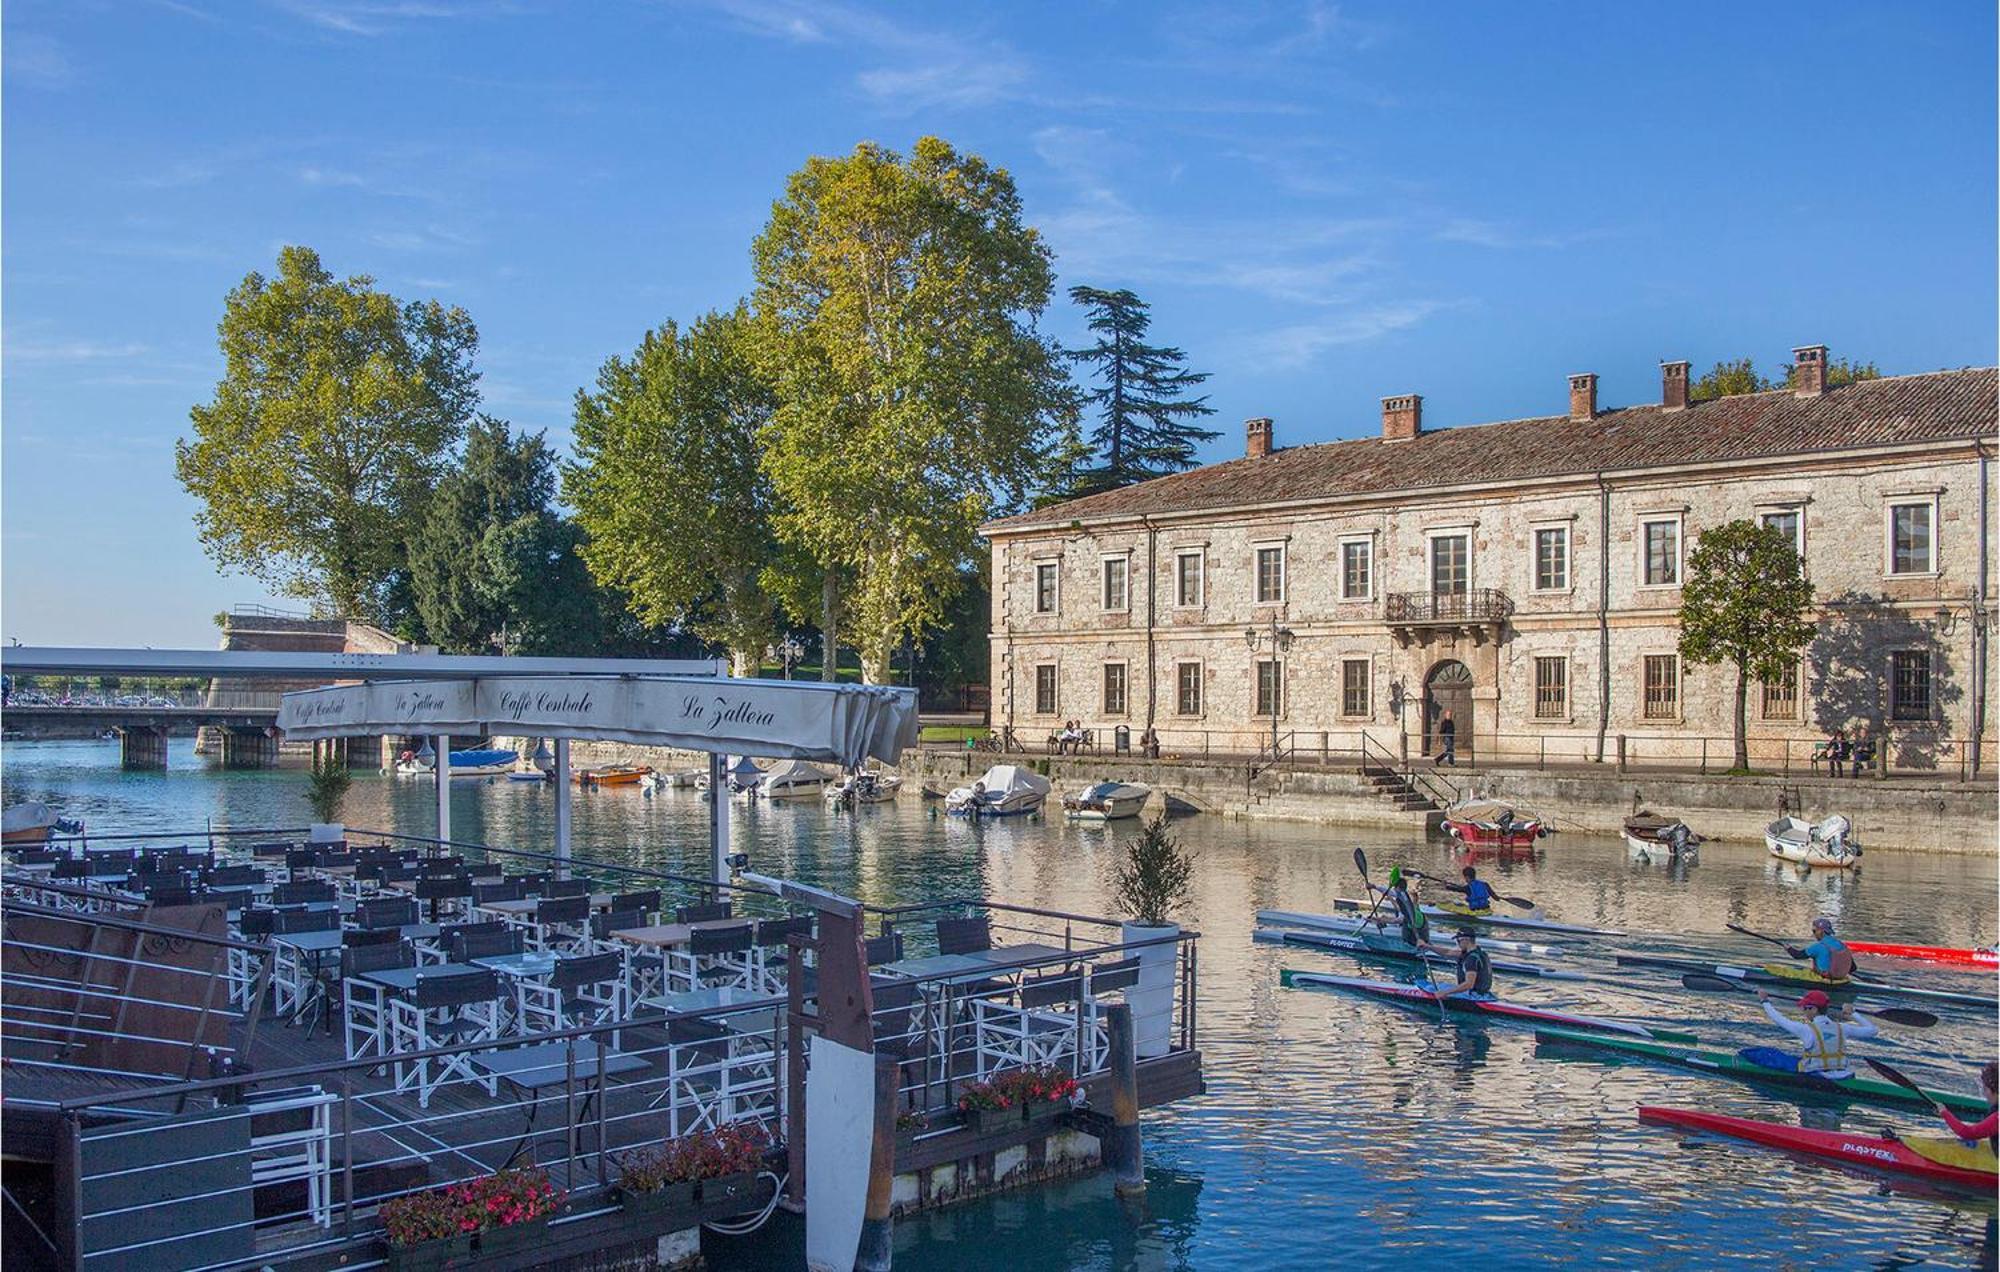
column 804, row 720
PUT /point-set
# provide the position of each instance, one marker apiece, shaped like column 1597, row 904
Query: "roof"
column 1935, row 407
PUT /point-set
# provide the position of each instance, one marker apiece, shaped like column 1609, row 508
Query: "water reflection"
column 1336, row 1130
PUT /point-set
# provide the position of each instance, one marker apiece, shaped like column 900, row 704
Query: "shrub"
column 727, row 1150
column 1154, row 879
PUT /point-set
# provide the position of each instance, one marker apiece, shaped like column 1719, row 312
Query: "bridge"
column 248, row 734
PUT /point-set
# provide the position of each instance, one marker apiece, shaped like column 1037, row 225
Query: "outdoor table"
column 401, row 980
column 1026, row 951
column 539, row 1067
column 659, row 938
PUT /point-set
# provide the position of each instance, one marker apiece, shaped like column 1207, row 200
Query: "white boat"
column 741, row 775
column 1651, row 837
column 865, row 787
column 791, row 779
column 1106, row 801
column 1006, row 790
column 30, row 823
column 530, row 775
column 471, row 763
column 1826, row 845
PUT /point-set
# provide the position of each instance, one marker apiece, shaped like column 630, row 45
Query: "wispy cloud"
column 1300, row 344
column 379, row 17
column 948, row 85
column 313, row 175
column 37, row 61
column 1481, row 233
column 434, row 238
column 20, row 350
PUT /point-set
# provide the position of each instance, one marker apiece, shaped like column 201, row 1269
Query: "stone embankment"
column 1901, row 813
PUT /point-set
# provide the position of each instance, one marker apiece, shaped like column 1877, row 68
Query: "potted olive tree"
column 1152, row 882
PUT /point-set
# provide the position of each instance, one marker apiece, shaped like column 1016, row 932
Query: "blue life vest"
column 1478, row 895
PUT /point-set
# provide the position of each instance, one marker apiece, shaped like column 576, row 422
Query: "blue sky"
column 1325, row 204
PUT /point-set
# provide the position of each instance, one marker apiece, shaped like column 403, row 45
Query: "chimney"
column 1256, row 438
column 1583, row 396
column 1809, row 370
column 1402, row 417
column 1674, row 385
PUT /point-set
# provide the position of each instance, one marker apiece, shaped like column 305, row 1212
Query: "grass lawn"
column 952, row 733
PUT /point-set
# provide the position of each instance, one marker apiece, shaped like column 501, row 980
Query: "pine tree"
column 1147, row 427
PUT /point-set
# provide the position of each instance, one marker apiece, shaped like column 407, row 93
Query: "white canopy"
column 803, row 720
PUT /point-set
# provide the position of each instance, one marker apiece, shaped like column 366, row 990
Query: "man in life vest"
column 1830, row 959
column 1478, row 893
column 1416, row 925
column 1822, row 1032
column 1475, row 969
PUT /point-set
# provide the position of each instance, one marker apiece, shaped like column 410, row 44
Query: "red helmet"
column 1815, row 999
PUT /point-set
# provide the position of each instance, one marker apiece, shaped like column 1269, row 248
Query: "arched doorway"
column 1448, row 687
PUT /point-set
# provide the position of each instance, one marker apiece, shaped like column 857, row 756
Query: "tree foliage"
column 896, row 300
column 668, row 486
column 501, row 480
column 337, row 407
column 326, row 786
column 1745, row 603
column 1155, row 877
column 1730, row 379
column 1146, row 415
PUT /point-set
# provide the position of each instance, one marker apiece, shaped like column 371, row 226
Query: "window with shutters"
column 1451, row 565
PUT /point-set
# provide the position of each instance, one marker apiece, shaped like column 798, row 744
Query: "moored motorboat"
column 792, row 779
column 1730, row 1065
column 1979, row 956
column 30, row 823
column 1936, row 1159
column 1005, row 790
column 1106, row 801
column 866, row 786
column 1424, row 995
column 476, row 762
column 1479, row 822
column 1651, row 837
column 1827, row 844
column 613, row 775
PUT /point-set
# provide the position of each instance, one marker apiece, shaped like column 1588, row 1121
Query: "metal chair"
column 386, row 912
column 450, row 1009
column 1041, row 1028
column 580, row 991
column 964, row 936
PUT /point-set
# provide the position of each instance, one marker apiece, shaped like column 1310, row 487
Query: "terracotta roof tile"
column 1940, row 406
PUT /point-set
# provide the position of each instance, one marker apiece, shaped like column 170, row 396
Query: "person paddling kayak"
column 1823, row 1033
column 1986, row 1128
column 1478, row 892
column 1830, row 958
column 1475, row 969
column 1410, row 916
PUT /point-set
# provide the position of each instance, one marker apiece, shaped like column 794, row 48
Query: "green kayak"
column 1729, row 1064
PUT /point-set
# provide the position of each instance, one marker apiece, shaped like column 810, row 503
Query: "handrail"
column 1480, row 605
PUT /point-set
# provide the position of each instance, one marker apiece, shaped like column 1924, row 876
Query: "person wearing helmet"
column 1830, row 959
column 1823, row 1032
column 1475, row 968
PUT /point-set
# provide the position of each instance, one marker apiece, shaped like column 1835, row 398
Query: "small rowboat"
column 1651, row 837
column 1423, row 996
column 1106, row 801
column 1953, row 1163
column 613, row 775
column 1984, row 956
column 1727, row 1064
column 1825, row 846
column 1489, row 919
column 1488, row 823
column 1795, row 977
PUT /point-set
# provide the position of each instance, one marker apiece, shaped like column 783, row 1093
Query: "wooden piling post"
column 1123, row 1152
column 876, row 1225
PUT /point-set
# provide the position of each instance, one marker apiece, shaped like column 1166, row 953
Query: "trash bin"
column 1121, row 740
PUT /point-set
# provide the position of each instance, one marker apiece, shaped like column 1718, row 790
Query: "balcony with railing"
column 1479, row 612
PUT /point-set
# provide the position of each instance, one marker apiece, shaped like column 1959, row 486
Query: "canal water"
column 1335, row 1131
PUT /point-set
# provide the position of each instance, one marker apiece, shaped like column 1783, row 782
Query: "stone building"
column 1522, row 578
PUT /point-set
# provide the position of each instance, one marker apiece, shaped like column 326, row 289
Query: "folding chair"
column 449, row 1009
column 603, row 925
column 466, row 946
column 386, row 912
column 305, row 892
column 560, row 923
column 589, row 990
column 291, row 1138
column 703, row 913
column 717, row 958
column 499, row 890
column 1040, row 1029
column 566, row 888
column 773, row 951
column 646, row 903
column 886, row 948
column 964, row 936
column 364, row 1003
column 446, row 893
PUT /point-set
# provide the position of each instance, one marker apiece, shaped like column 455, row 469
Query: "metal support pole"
column 442, row 769
column 562, row 808
column 876, row 1224
column 718, row 824
column 1123, row 1152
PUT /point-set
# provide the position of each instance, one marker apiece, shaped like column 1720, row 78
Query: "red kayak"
column 1988, row 957
column 1875, row 1152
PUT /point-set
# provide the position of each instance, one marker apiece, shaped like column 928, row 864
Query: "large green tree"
column 896, row 303
column 1146, row 415
column 500, row 480
column 1729, row 379
column 667, row 483
column 337, row 409
column 1745, row 602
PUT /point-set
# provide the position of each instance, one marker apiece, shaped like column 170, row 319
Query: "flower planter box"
column 986, row 1121
column 670, row 1208
column 1044, row 1110
column 726, row 1195
column 427, row 1256
column 513, row 1238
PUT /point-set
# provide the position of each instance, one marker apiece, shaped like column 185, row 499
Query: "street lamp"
column 1281, row 640
column 787, row 651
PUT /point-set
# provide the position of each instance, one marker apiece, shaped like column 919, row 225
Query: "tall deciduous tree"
column 1729, row 379
column 668, row 487
column 500, row 480
column 1146, row 414
column 1745, row 603
column 896, row 301
column 337, row 408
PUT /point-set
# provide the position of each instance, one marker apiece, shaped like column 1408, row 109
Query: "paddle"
column 1786, row 946
column 1520, row 902
column 1902, row 1079
column 1894, row 1015
column 1361, row 864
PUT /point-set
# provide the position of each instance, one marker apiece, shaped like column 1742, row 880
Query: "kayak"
column 1378, row 947
column 1488, row 918
column 1422, row 996
column 1792, row 977
column 1876, row 1152
column 1352, row 924
column 1986, row 956
column 1730, row 1065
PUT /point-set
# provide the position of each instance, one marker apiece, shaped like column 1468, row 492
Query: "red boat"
column 1875, row 1152
column 1489, row 823
column 1986, row 957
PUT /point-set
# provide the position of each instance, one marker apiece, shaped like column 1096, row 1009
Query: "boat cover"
column 1003, row 780
column 791, row 773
